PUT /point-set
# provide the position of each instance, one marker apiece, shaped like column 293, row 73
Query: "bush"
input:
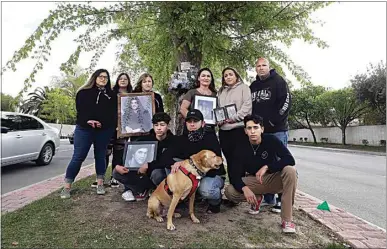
column 294, row 139
column 324, row 140
column 305, row 139
column 383, row 142
column 365, row 142
column 301, row 139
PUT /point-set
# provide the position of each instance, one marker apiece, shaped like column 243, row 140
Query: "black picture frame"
column 220, row 114
column 211, row 103
column 132, row 163
column 230, row 110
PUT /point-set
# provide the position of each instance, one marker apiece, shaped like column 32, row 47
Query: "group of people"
column 253, row 140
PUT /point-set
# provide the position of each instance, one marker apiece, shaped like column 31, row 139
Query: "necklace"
column 254, row 150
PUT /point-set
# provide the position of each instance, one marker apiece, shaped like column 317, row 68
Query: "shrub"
column 383, row 142
column 301, row 139
column 324, row 140
column 305, row 139
column 365, row 142
column 294, row 139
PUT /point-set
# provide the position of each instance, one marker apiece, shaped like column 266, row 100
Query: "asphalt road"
column 20, row 175
column 354, row 182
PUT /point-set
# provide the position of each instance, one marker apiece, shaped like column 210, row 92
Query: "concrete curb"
column 339, row 150
column 358, row 232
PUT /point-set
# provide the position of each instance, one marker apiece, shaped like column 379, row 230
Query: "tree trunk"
column 311, row 129
column 343, row 134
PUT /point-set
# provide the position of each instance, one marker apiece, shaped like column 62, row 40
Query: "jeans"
column 158, row 175
column 133, row 181
column 83, row 139
column 283, row 136
column 209, row 188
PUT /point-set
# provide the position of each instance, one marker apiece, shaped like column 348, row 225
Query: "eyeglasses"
column 101, row 77
column 123, row 79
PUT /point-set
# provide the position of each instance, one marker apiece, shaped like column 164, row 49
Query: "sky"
column 354, row 31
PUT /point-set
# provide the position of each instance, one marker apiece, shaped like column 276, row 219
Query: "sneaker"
column 107, row 183
column 65, row 194
column 213, row 209
column 142, row 196
column 128, row 196
column 114, row 183
column 254, row 208
column 264, row 203
column 94, row 184
column 288, row 227
column 277, row 208
column 100, row 190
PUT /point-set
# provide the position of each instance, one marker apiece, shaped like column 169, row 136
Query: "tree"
column 32, row 104
column 158, row 36
column 70, row 81
column 58, row 108
column 307, row 107
column 8, row 103
column 344, row 107
column 370, row 87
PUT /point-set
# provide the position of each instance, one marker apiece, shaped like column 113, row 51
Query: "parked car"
column 27, row 138
column 71, row 138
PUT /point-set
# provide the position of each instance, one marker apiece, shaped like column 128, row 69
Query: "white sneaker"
column 128, row 196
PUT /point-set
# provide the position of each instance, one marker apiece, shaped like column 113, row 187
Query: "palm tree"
column 70, row 82
column 32, row 105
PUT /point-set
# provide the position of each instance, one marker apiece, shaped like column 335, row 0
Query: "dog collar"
column 198, row 170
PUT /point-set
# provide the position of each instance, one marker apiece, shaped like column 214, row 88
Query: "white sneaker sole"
column 289, row 230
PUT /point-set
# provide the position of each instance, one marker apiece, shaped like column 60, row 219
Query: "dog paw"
column 159, row 219
column 171, row 227
column 194, row 219
column 176, row 215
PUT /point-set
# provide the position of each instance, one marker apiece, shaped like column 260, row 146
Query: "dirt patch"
column 232, row 227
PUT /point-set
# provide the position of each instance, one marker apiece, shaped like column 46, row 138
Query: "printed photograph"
column 231, row 110
column 135, row 114
column 139, row 152
column 206, row 105
column 220, row 114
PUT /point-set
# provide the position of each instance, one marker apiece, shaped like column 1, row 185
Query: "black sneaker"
column 213, row 209
column 94, row 184
column 114, row 183
column 277, row 208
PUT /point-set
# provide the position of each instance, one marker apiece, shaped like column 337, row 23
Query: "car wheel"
column 46, row 155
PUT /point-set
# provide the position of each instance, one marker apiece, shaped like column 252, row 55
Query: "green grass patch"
column 341, row 146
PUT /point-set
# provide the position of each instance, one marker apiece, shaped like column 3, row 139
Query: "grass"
column 341, row 146
column 92, row 221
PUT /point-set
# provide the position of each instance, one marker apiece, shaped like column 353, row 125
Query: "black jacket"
column 88, row 108
column 159, row 106
column 244, row 159
column 183, row 149
column 272, row 101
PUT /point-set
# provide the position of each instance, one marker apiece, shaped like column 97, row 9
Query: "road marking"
column 9, row 193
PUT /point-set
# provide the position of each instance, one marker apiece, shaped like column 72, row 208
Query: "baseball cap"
column 195, row 114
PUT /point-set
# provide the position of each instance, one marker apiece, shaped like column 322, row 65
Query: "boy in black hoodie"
column 147, row 176
column 272, row 101
column 258, row 157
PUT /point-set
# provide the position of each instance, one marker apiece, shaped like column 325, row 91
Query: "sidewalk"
column 356, row 231
column 339, row 150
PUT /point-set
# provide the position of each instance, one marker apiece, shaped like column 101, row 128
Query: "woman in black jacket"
column 96, row 106
column 145, row 84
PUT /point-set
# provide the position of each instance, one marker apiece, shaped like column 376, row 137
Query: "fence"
column 372, row 135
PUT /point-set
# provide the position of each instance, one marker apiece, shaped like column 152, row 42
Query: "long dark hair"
column 117, row 87
column 212, row 84
column 239, row 78
column 138, row 86
column 92, row 81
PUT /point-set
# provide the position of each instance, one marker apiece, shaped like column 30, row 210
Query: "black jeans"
column 116, row 148
column 133, row 181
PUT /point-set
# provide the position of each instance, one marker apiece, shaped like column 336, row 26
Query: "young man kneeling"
column 257, row 156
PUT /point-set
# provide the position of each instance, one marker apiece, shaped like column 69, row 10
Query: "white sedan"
column 27, row 138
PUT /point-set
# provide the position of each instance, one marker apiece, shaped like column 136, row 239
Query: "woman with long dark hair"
column 205, row 85
column 117, row 145
column 96, row 106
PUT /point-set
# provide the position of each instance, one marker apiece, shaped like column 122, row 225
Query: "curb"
column 19, row 198
column 357, row 232
column 339, row 150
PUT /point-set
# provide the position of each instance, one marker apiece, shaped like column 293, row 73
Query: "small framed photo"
column 206, row 104
column 231, row 110
column 135, row 111
column 139, row 152
column 220, row 114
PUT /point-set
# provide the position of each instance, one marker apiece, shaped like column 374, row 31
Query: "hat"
column 195, row 114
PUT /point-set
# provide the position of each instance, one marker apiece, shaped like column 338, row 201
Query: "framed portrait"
column 206, row 104
column 220, row 114
column 135, row 111
column 139, row 152
column 231, row 110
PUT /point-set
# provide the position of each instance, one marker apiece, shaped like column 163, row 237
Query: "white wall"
column 354, row 134
column 66, row 129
